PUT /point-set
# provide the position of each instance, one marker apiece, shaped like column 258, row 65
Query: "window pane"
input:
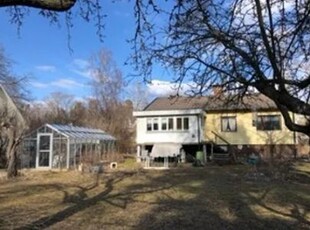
column 179, row 123
column 275, row 123
column 269, row 122
column 155, row 124
column 185, row 123
column 170, row 123
column 164, row 124
column 44, row 159
column 232, row 124
column 44, row 143
column 149, row 124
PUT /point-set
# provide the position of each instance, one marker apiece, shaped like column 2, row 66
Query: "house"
column 214, row 124
column 65, row 146
column 168, row 125
column 251, row 125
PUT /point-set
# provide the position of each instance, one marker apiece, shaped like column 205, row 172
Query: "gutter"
column 198, row 129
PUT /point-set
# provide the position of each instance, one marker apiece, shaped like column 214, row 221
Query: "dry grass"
column 130, row 198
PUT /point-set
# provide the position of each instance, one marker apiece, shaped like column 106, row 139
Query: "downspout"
column 198, row 129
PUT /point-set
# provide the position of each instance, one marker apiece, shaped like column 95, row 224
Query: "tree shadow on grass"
column 204, row 198
column 223, row 205
column 81, row 202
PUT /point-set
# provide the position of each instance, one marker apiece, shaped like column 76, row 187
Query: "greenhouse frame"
column 54, row 146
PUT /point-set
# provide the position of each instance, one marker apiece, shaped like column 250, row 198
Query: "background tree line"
column 106, row 109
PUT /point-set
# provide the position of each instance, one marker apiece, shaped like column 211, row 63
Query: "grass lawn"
column 212, row 197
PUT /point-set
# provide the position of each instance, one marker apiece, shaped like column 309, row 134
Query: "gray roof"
column 213, row 103
column 177, row 103
column 239, row 103
column 75, row 132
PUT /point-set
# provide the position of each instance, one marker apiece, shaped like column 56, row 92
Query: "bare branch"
column 54, row 5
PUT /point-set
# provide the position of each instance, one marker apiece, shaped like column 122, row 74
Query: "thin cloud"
column 46, row 68
column 82, row 68
column 84, row 73
column 166, row 88
column 67, row 83
column 39, row 85
column 80, row 63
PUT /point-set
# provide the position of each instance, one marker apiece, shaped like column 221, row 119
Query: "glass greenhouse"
column 65, row 146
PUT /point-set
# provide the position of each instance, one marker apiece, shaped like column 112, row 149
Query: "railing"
column 230, row 149
column 221, row 138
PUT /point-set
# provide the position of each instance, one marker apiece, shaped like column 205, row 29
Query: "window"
column 167, row 124
column 228, row 124
column 164, row 124
column 155, row 124
column 149, row 124
column 268, row 122
column 179, row 123
column 185, row 123
column 170, row 123
column 182, row 123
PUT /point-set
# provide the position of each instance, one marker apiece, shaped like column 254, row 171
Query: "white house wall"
column 193, row 135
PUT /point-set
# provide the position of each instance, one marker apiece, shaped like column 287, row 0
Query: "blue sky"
column 41, row 50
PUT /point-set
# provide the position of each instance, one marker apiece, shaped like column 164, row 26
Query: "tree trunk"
column 12, row 163
column 12, row 153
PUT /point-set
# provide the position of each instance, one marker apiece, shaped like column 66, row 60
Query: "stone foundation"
column 272, row 152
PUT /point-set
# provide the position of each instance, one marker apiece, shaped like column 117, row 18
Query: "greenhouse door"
column 44, row 151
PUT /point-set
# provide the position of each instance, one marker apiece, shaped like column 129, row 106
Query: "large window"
column 228, row 124
column 167, row 124
column 182, row 123
column 268, row 122
column 152, row 124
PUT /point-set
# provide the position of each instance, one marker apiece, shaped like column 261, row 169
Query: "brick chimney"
column 217, row 90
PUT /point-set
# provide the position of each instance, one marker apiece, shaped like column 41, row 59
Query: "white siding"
column 190, row 136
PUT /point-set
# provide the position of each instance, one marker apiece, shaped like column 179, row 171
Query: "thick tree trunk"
column 12, row 163
column 54, row 5
column 12, row 153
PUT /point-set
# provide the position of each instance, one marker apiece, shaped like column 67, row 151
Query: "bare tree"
column 107, row 80
column 58, row 106
column 78, row 113
column 57, row 11
column 107, row 110
column 260, row 44
column 139, row 96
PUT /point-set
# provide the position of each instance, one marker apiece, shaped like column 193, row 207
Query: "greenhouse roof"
column 75, row 132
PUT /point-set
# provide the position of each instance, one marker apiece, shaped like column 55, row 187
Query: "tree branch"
column 53, row 5
column 269, row 50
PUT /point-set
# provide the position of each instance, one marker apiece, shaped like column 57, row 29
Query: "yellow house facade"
column 253, row 125
column 244, row 130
